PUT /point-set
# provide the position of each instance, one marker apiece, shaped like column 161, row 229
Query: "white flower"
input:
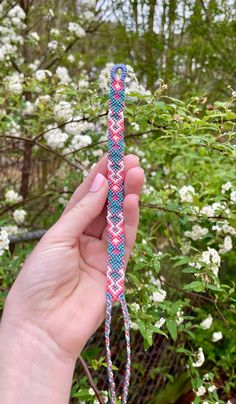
column 197, row 232
column 91, row 392
column 35, row 36
column 212, row 258
column 97, row 153
column 63, row 111
column 41, row 74
column 7, row 50
column 73, row 128
column 233, row 196
column 133, row 325
column 135, row 306
column 166, row 170
column 200, row 359
column 42, row 99
column 83, row 83
column 224, row 227
column 12, row 196
column 215, row 270
column 226, row 246
column 207, row 211
column 201, row 391
column 63, row 199
column 155, row 281
column 63, row 75
column 19, row 216
column 76, row 29
column 207, row 323
column 4, row 241
column 55, row 138
column 105, row 396
column 11, row 229
column 14, row 83
column 88, row 15
column 52, row 45
column 55, row 32
column 17, row 11
column 33, row 66
column 214, row 209
column 135, row 126
column 219, row 207
column 2, row 54
column 225, row 187
column 51, row 13
column 217, row 336
column 212, row 388
column 80, row 141
column 160, row 322
column 29, row 108
column 179, row 317
column 158, row 296
column 186, row 193
column 71, row 58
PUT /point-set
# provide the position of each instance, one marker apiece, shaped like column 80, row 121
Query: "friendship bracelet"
column 115, row 223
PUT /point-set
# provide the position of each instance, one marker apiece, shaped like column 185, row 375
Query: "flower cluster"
column 197, row 232
column 200, row 358
column 207, row 323
column 63, row 111
column 55, row 137
column 12, row 197
column 4, row 241
column 42, row 75
column 76, row 29
column 63, row 75
column 10, row 37
column 186, row 193
column 14, row 83
column 211, row 258
column 19, row 216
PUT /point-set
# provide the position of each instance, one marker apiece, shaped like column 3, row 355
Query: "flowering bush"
column 181, row 278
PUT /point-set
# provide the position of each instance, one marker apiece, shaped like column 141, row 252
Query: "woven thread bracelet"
column 115, row 222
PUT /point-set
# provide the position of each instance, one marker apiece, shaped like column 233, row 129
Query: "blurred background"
column 55, row 62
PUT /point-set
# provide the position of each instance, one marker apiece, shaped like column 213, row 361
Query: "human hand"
column 61, row 287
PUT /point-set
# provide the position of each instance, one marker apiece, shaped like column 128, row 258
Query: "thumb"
column 75, row 221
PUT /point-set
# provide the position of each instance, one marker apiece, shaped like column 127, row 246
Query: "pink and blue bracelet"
column 115, row 223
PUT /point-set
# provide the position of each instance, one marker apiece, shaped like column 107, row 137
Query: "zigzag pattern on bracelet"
column 115, row 222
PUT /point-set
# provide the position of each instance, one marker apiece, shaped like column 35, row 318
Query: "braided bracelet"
column 115, row 221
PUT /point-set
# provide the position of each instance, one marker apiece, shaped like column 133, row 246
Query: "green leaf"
column 175, row 307
column 190, row 270
column 172, row 328
column 216, row 288
column 197, row 286
column 182, row 261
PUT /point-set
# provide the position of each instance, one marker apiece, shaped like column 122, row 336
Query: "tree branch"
column 90, row 379
column 178, row 212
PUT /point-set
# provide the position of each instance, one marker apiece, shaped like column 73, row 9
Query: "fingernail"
column 97, row 183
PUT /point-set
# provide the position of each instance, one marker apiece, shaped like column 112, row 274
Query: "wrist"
column 33, row 368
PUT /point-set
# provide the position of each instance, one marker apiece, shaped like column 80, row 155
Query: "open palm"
column 61, row 287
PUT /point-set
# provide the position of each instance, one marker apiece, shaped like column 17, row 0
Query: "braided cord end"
column 126, row 381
